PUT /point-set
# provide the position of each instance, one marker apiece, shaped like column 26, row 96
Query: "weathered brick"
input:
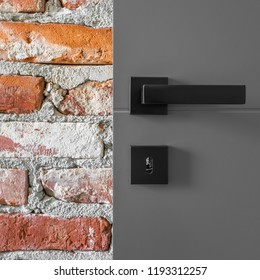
column 38, row 232
column 79, row 184
column 20, row 94
column 22, row 6
column 13, row 187
column 90, row 98
column 73, row 140
column 55, row 43
column 73, row 4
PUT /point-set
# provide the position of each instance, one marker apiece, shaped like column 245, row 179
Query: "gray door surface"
column 211, row 207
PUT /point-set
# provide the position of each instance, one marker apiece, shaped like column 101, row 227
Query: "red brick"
column 13, row 187
column 38, row 232
column 24, row 6
column 55, row 43
column 79, row 184
column 20, row 94
column 91, row 98
column 73, row 4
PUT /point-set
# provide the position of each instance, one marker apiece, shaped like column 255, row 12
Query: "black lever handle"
column 170, row 94
column 151, row 95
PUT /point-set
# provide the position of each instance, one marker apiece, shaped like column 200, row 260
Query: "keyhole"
column 149, row 165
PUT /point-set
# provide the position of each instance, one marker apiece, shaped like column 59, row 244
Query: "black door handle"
column 169, row 94
column 153, row 95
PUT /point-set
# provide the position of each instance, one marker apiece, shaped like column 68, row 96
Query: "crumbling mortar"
column 93, row 14
column 66, row 77
column 48, row 113
column 38, row 201
column 56, row 255
column 55, row 94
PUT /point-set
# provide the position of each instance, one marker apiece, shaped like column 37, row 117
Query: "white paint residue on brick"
column 91, row 237
column 5, row 7
column 75, row 140
column 43, row 50
column 79, row 184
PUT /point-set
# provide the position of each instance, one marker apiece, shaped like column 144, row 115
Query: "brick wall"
column 56, row 129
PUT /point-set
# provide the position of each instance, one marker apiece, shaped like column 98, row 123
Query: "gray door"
column 211, row 207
